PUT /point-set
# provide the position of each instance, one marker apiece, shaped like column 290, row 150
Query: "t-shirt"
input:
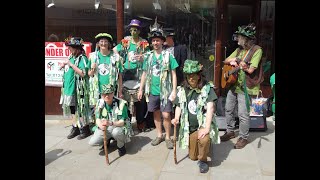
column 192, row 105
column 69, row 74
column 156, row 65
column 241, row 74
column 103, row 69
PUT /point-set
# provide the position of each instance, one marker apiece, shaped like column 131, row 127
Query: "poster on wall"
column 55, row 54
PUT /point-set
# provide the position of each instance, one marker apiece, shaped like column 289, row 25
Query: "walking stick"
column 105, row 145
column 174, row 144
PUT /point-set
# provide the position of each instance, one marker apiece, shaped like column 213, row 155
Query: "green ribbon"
column 246, row 95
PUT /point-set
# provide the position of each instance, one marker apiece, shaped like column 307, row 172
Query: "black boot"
column 84, row 132
column 108, row 144
column 122, row 151
column 74, row 132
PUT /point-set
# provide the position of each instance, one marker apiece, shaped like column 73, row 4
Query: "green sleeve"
column 173, row 62
column 119, row 47
column 256, row 58
column 273, row 80
column 83, row 64
column 232, row 55
column 212, row 97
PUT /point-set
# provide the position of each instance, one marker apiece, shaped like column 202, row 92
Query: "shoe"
column 74, row 132
column 156, row 141
column 122, row 151
column 203, row 166
column 241, row 143
column 84, row 132
column 141, row 127
column 227, row 136
column 169, row 143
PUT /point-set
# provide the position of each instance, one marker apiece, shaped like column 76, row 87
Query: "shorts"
column 154, row 104
column 129, row 74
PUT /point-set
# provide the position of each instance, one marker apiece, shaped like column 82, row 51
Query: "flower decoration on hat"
column 73, row 41
column 191, row 66
column 248, row 31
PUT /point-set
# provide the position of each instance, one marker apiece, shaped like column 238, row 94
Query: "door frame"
column 221, row 36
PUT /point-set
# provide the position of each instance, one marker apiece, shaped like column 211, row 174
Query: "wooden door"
column 52, row 98
column 231, row 14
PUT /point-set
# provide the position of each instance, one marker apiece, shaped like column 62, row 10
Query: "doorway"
column 231, row 13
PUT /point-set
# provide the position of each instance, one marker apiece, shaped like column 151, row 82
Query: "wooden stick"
column 105, row 145
column 174, row 144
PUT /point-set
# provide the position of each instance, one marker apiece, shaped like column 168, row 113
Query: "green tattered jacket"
column 117, row 109
column 165, row 77
column 184, row 127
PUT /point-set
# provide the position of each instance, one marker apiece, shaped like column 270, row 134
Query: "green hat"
column 107, row 88
column 248, row 31
column 104, row 35
column 191, row 66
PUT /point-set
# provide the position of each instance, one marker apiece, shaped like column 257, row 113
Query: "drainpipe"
column 119, row 20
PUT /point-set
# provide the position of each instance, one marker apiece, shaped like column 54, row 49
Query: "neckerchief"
column 197, row 90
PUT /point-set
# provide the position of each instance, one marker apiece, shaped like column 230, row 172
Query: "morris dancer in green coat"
column 160, row 80
column 195, row 109
column 75, row 90
column 106, row 68
column 111, row 114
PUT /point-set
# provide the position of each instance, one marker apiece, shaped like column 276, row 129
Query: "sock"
column 133, row 119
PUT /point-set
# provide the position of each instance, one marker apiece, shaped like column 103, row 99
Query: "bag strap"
column 260, row 92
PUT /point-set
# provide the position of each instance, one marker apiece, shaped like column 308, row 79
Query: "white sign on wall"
column 55, row 54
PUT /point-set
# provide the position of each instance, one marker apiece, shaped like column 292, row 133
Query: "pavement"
column 75, row 159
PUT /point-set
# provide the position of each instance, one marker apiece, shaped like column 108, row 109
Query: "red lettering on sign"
column 67, row 52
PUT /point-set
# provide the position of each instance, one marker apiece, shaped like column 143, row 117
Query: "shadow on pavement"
column 220, row 152
column 55, row 154
column 136, row 143
column 253, row 135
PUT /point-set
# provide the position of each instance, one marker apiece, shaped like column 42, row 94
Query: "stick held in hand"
column 174, row 144
column 105, row 145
